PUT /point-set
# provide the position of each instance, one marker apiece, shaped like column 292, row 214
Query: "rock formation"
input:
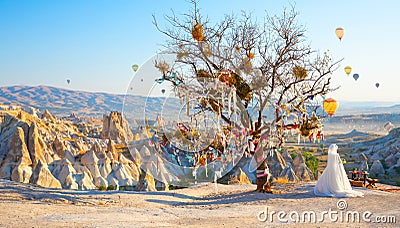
column 300, row 168
column 391, row 160
column 363, row 162
column 276, row 163
column 383, row 156
column 17, row 164
column 289, row 174
column 377, row 169
column 146, row 183
column 115, row 127
column 36, row 146
column 56, row 154
column 239, row 177
column 48, row 116
column 43, row 177
column 243, row 165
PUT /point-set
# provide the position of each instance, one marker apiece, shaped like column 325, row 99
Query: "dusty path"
column 205, row 205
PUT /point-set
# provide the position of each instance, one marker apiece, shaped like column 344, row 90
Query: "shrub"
column 312, row 162
column 110, row 187
column 293, row 154
column 362, row 149
column 102, row 188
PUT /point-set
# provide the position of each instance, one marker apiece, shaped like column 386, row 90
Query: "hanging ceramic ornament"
column 187, row 104
column 197, row 32
column 207, row 49
column 299, row 72
column 298, row 139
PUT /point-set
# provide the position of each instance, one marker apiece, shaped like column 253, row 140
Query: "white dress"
column 333, row 181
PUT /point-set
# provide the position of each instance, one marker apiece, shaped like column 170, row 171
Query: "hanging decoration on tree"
column 197, row 32
column 299, row 72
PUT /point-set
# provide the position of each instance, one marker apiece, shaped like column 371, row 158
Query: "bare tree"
column 269, row 65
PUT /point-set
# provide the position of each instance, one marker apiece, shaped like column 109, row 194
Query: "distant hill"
column 355, row 107
column 58, row 100
column 63, row 101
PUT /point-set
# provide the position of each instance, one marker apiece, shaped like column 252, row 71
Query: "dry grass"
column 281, row 180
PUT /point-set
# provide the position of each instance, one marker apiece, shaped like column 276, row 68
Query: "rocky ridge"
column 381, row 156
column 55, row 153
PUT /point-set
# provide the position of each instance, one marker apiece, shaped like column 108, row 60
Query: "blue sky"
column 95, row 42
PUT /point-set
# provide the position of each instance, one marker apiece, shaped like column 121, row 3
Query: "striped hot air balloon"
column 330, row 106
column 339, row 33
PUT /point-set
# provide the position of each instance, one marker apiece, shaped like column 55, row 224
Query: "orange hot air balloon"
column 339, row 33
column 330, row 106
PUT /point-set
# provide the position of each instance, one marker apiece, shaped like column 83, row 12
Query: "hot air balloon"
column 339, row 33
column 68, row 81
column 141, row 80
column 377, row 85
column 330, row 106
column 347, row 69
column 356, row 76
column 163, row 91
column 135, row 67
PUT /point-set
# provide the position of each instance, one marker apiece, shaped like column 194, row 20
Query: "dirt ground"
column 204, row 205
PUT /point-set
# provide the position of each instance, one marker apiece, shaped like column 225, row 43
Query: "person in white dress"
column 333, row 181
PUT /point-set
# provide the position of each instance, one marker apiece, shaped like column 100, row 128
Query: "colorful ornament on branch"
column 305, row 129
column 299, row 72
column 207, row 49
column 246, row 66
column 197, row 32
column 163, row 67
column 226, row 77
column 180, row 55
column 250, row 55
